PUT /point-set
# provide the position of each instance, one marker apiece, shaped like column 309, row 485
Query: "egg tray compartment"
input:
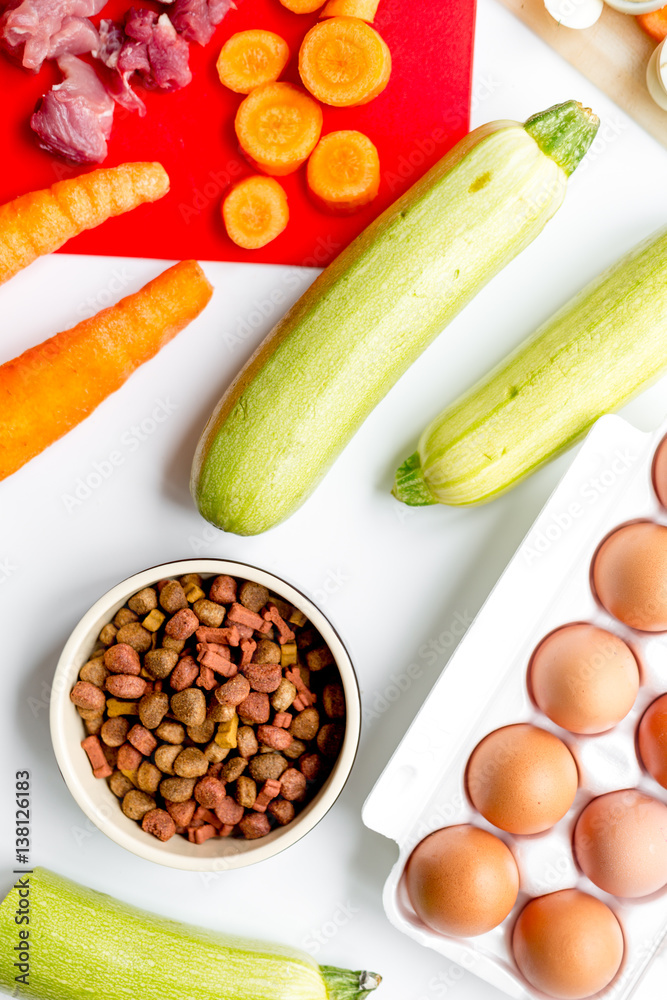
column 546, row 585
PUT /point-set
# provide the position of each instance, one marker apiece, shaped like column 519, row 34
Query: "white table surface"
column 390, row 578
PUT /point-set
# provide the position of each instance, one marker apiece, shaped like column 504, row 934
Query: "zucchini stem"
column 564, row 132
column 410, row 486
column 342, row 984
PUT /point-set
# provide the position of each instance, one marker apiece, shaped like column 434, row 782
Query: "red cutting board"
column 421, row 114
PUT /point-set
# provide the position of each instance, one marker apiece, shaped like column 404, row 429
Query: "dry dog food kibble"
column 213, row 708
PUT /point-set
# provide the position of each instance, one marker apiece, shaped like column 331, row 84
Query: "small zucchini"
column 590, row 358
column 371, row 313
column 83, row 944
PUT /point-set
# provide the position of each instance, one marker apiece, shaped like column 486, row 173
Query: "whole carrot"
column 52, row 387
column 42, row 221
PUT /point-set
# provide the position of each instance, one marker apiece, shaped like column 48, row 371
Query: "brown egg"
column 652, row 740
column 630, row 575
column 462, row 880
column 620, row 843
column 522, row 778
column 660, row 472
column 568, row 944
column 584, row 678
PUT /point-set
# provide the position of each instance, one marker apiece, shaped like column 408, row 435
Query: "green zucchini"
column 83, row 945
column 592, row 356
column 369, row 315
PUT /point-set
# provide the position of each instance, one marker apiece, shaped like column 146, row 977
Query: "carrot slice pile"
column 302, row 6
column 655, row 23
column 278, row 126
column 344, row 172
column 344, row 62
column 365, row 10
column 250, row 58
column 255, row 212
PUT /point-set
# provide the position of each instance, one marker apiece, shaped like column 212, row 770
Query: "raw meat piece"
column 196, row 20
column 35, row 30
column 74, row 118
column 121, row 58
column 168, row 54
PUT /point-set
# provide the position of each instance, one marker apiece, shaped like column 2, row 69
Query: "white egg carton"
column 484, row 687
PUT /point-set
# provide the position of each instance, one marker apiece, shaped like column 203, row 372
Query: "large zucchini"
column 83, row 945
column 317, row 376
column 592, row 356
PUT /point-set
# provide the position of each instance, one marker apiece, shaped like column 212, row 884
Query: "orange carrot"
column 365, row 10
column 51, row 388
column 655, row 23
column 302, row 6
column 344, row 62
column 42, row 221
column 344, row 172
column 255, row 212
column 250, row 58
column 278, row 126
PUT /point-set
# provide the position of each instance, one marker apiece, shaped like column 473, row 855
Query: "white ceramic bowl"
column 94, row 795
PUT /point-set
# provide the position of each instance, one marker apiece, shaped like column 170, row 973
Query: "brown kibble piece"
column 306, row 724
column 153, row 708
column 142, row 739
column 209, row 792
column 190, row 580
column 254, row 825
column 229, row 811
column 318, row 659
column 330, row 738
column 160, row 662
column 172, row 597
column 85, row 695
column 209, row 613
column 137, row 803
column 114, row 731
column 215, row 753
column 129, row 758
column 181, row 812
column 283, row 696
column 191, row 763
column 183, row 624
column 274, row 737
column 282, row 811
column 293, row 785
column 94, row 725
column 268, row 766
column 203, row 733
column 246, row 741
column 264, row 677
column 94, row 672
column 165, row 757
column 233, row 769
column 135, row 635
column 122, row 659
column 220, row 713
column 177, row 789
column 159, row 823
column 149, row 777
column 119, row 784
column 123, row 617
column 170, row 732
column 223, row 590
column 125, row 686
column 295, row 749
column 333, row 701
column 310, row 765
column 253, row 595
column 144, row 601
column 108, row 634
column 89, row 714
column 184, row 674
column 234, row 691
column 255, row 709
column 189, row 706
column 178, row 645
column 246, row 792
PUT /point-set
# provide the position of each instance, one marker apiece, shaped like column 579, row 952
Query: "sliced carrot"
column 51, row 388
column 655, row 23
column 255, row 212
column 344, row 62
column 278, row 126
column 344, row 172
column 302, row 6
column 42, row 221
column 365, row 10
column 251, row 58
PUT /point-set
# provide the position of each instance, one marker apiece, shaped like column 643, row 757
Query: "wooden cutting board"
column 613, row 55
